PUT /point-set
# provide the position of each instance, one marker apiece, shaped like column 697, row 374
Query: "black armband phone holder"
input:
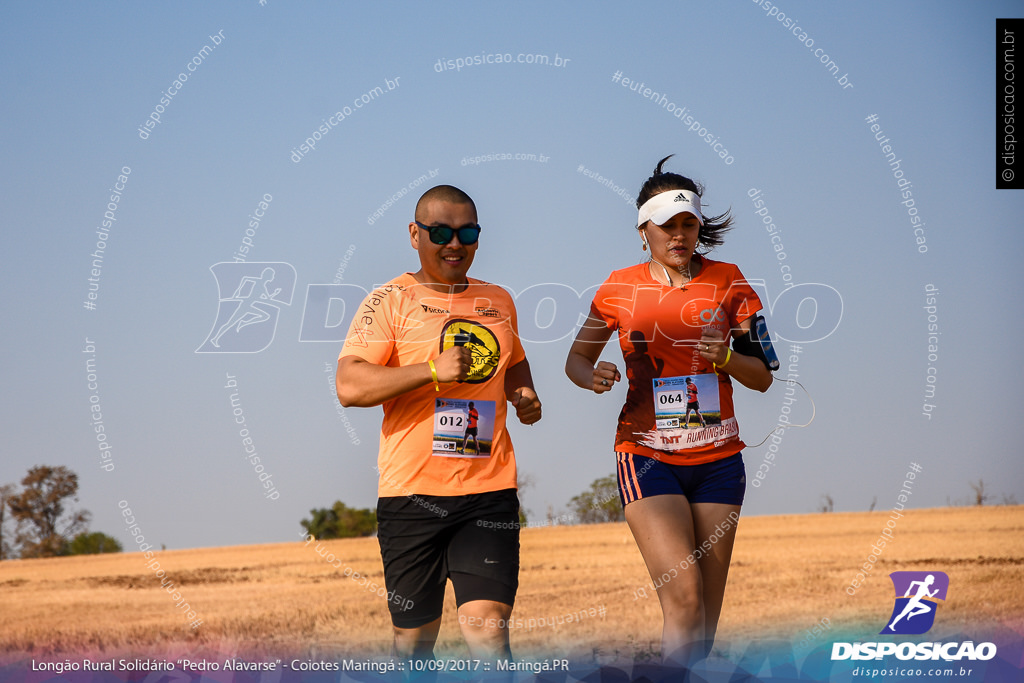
column 757, row 343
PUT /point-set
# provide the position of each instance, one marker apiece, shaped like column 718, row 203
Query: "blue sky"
column 80, row 80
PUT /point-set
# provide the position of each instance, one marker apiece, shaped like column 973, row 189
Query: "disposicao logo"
column 917, row 596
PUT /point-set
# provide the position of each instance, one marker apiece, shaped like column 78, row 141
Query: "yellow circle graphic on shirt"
column 480, row 341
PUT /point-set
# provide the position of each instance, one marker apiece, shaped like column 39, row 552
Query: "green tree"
column 7, row 538
column 600, row 503
column 340, row 521
column 93, row 543
column 39, row 508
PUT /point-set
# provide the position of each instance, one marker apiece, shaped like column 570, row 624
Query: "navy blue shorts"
column 721, row 481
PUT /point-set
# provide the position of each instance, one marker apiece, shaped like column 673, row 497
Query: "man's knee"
column 485, row 616
column 416, row 641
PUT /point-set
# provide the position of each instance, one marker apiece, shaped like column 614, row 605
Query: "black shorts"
column 470, row 431
column 425, row 540
column 693, row 405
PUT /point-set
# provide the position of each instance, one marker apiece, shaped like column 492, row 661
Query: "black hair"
column 712, row 232
column 443, row 193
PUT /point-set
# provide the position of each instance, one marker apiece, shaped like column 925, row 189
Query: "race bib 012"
column 462, row 428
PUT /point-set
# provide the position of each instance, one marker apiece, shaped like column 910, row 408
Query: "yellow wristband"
column 728, row 356
column 433, row 373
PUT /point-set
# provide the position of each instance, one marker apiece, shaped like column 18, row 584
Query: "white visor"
column 662, row 206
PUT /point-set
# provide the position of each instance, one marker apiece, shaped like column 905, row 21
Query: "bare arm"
column 517, row 377
column 363, row 384
column 747, row 370
column 582, row 366
column 519, row 390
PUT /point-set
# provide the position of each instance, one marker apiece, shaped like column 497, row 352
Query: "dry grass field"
column 789, row 573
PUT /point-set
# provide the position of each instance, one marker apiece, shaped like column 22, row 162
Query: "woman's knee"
column 681, row 595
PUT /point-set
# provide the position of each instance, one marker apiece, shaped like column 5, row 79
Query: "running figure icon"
column 916, row 606
column 250, row 303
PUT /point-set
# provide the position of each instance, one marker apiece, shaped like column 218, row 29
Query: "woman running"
column 681, row 487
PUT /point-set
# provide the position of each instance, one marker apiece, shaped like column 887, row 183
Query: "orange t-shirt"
column 659, row 327
column 404, row 323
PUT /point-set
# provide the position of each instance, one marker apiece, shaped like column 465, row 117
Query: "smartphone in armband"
column 764, row 339
column 757, row 343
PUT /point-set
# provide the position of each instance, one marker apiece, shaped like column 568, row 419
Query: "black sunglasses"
column 442, row 234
